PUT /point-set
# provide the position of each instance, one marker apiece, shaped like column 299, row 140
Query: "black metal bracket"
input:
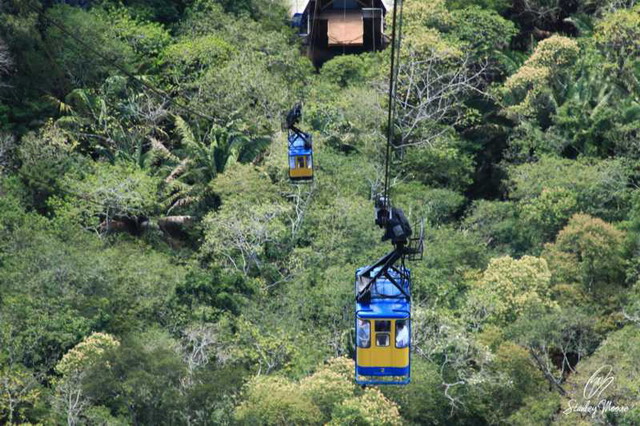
column 415, row 249
column 304, row 136
column 410, row 250
column 293, row 117
column 385, row 263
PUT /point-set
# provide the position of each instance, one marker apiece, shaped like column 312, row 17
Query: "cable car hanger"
column 383, row 289
column 392, row 219
column 294, row 116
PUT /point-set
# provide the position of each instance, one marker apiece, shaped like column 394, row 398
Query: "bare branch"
column 431, row 90
column 7, row 147
column 634, row 318
column 6, row 63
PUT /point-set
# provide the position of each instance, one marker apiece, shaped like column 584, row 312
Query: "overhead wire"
column 314, row 29
column 344, row 19
column 373, row 28
column 393, row 74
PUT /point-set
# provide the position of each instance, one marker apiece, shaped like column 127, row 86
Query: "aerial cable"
column 311, row 39
column 397, row 67
column 314, row 28
column 373, row 30
column 344, row 19
column 395, row 58
column 399, row 50
column 111, row 62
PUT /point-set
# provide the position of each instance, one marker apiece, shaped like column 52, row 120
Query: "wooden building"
column 336, row 27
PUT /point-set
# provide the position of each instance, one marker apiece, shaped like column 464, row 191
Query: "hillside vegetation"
column 157, row 266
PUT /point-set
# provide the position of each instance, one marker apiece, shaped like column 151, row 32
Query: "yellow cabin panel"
column 383, row 356
column 300, row 173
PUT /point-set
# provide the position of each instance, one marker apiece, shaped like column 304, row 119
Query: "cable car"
column 300, row 147
column 383, row 324
column 300, row 156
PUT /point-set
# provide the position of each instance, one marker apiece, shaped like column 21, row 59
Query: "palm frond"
column 178, row 170
column 184, row 131
column 183, row 202
column 63, row 107
column 158, row 146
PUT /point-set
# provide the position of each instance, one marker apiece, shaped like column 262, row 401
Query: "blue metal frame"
column 296, row 20
column 387, row 302
column 297, row 147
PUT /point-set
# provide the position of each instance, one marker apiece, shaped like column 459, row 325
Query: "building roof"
column 298, row 6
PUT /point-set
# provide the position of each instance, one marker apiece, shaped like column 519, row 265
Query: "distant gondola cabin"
column 336, row 27
column 300, row 156
column 383, row 329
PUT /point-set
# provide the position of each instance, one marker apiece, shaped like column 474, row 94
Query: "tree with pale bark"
column 6, row 62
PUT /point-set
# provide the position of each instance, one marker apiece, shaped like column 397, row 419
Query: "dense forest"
column 158, row 267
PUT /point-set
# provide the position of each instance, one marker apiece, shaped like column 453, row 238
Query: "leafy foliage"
column 328, row 394
column 510, row 287
column 158, row 267
column 588, row 251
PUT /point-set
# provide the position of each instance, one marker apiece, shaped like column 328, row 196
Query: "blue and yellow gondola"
column 383, row 329
column 300, row 156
